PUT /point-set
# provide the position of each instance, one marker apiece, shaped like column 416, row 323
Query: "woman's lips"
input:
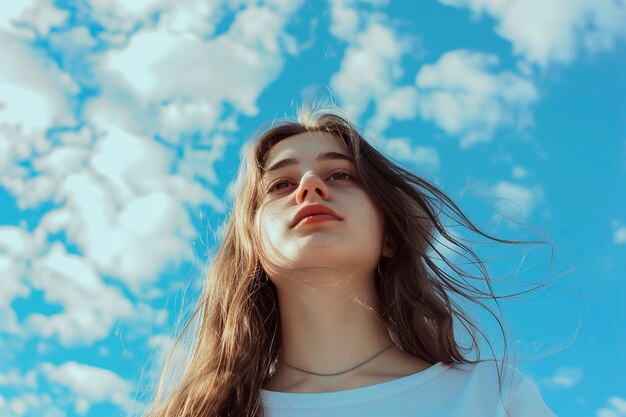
column 317, row 218
column 313, row 209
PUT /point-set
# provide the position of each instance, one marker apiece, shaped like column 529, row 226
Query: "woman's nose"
column 311, row 186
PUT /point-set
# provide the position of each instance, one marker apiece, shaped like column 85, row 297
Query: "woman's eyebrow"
column 324, row 156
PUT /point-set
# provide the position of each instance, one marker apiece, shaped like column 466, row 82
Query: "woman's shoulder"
column 485, row 374
column 490, row 378
column 487, row 368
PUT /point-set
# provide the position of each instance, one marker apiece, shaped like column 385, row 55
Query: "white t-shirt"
column 438, row 391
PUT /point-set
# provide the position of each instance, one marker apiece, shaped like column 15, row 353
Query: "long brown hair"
column 235, row 328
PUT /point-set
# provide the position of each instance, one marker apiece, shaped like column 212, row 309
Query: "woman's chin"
column 330, row 258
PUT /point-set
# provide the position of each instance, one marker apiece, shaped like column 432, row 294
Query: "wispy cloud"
column 465, row 95
column 371, row 67
column 564, row 378
column 34, row 97
column 619, row 232
column 230, row 69
column 30, row 404
column 425, row 157
column 90, row 308
column 616, row 408
column 559, row 32
column 16, row 246
column 463, row 92
column 31, row 16
column 516, row 201
column 89, row 385
column 519, row 172
column 14, row 379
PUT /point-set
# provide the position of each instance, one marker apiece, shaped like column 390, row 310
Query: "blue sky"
column 121, row 125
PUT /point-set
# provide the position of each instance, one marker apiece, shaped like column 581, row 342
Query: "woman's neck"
column 323, row 336
column 327, row 330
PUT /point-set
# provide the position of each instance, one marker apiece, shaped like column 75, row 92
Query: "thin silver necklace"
column 342, row 372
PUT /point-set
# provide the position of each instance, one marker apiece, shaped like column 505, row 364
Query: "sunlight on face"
column 316, row 168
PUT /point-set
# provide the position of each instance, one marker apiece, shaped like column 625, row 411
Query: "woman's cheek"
column 271, row 233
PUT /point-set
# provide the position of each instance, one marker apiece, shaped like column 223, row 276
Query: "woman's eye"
column 341, row 175
column 277, row 186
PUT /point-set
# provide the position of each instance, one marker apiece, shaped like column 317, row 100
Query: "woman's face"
column 315, row 169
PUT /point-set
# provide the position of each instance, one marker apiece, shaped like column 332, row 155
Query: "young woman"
column 325, row 299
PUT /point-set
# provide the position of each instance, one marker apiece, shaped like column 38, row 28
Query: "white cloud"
column 619, row 233
column 425, row 157
column 135, row 8
column 16, row 246
column 124, row 210
column 192, row 19
column 196, row 17
column 559, row 31
column 11, row 12
column 565, row 378
column 34, row 94
column 121, row 16
column 21, row 404
column 619, row 404
column 90, row 385
column 30, row 404
column 162, row 343
column 127, row 213
column 344, row 19
column 16, row 242
column 463, row 95
column 617, row 408
column 61, row 162
column 43, row 16
column 400, row 104
column 519, row 172
column 347, row 17
column 162, row 347
column 34, row 91
column 90, row 307
column 233, row 68
column 128, row 225
column 515, row 201
column 14, row 379
column 607, row 412
column 72, row 40
column 370, row 67
column 40, row 15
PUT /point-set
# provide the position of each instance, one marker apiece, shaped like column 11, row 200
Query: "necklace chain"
column 347, row 370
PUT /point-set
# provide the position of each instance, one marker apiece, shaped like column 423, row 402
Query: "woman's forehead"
column 306, row 143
